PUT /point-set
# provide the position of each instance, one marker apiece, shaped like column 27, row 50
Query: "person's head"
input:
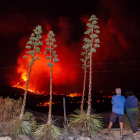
column 118, row 90
column 129, row 93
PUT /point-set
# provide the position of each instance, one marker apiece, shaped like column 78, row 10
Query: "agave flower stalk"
column 84, row 66
column 49, row 131
column 92, row 41
column 52, row 57
column 25, row 94
column 33, row 47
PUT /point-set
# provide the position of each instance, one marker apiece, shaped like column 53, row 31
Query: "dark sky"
column 115, row 64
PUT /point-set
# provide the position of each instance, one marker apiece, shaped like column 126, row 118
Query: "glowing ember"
column 44, row 104
column 107, row 96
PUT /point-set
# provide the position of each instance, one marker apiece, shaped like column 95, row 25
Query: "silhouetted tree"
column 33, row 47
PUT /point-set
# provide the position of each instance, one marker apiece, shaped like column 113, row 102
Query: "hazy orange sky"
column 115, row 64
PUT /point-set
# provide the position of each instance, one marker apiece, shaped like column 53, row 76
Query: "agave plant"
column 47, row 132
column 85, row 124
column 21, row 127
column 10, row 121
column 17, row 126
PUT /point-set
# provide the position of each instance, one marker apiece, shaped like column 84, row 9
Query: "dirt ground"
column 127, row 134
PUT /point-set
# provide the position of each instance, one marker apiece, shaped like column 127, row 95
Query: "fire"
column 44, row 104
column 23, row 80
column 75, row 94
column 107, row 96
column 32, row 91
column 24, row 77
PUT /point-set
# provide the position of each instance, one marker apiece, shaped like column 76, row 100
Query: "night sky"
column 115, row 64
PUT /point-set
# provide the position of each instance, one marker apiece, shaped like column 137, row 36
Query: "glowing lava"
column 45, row 104
column 24, row 77
column 23, row 80
column 75, row 94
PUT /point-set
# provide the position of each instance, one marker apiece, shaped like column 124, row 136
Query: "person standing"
column 117, row 110
column 131, row 107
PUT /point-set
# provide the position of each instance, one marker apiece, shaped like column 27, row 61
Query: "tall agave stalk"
column 33, row 47
column 92, row 41
column 87, row 122
column 25, row 93
column 84, row 66
column 52, row 57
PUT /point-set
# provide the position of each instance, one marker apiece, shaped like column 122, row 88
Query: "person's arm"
column 124, row 105
column 137, row 101
column 112, row 100
column 125, row 102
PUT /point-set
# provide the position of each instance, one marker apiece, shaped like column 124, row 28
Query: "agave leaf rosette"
column 48, row 131
column 86, row 124
column 18, row 126
column 26, row 126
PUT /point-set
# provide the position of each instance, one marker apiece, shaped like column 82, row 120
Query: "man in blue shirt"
column 117, row 110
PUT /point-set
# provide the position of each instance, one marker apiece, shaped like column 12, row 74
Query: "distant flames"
column 32, row 91
column 44, row 104
column 74, row 94
column 42, row 93
column 24, row 77
column 24, row 80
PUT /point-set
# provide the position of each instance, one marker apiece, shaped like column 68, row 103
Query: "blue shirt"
column 118, row 104
column 131, row 102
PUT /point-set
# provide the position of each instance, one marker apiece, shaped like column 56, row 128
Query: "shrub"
column 18, row 126
column 10, row 122
column 9, row 109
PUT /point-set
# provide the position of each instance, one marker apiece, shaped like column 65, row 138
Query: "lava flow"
column 23, row 81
